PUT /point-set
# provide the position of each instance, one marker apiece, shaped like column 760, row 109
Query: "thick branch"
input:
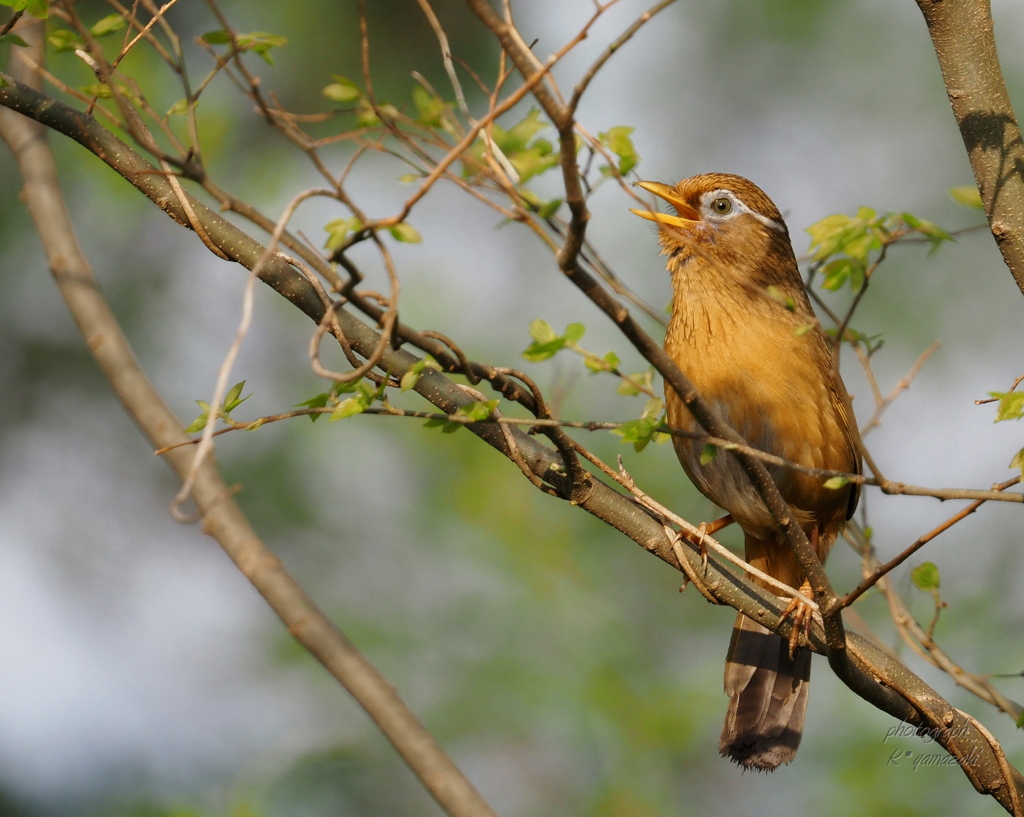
column 964, row 41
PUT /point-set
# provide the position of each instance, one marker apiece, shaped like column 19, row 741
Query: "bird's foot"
column 705, row 529
column 690, row 575
column 802, row 618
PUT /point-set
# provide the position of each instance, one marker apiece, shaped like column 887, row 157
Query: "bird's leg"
column 803, row 615
column 708, row 529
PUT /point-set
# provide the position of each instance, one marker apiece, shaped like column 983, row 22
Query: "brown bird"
column 743, row 331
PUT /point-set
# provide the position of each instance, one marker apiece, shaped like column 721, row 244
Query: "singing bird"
column 742, row 329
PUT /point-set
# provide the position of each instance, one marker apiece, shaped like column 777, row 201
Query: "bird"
column 743, row 331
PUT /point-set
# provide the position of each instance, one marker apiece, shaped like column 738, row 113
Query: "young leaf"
column 618, row 141
column 574, row 332
column 219, row 37
column 338, row 230
column 431, row 108
column 342, row 90
column 348, row 408
column 519, row 135
column 478, row 411
column 406, row 233
column 641, row 432
column 108, row 25
column 631, row 386
column 233, row 398
column 967, row 195
column 708, row 453
column 1018, row 461
column 319, row 401
column 199, row 423
column 596, row 364
column 1011, row 405
column 64, row 40
column 261, row 42
column 548, row 209
column 925, row 577
column 415, row 372
column 541, row 331
column 835, row 483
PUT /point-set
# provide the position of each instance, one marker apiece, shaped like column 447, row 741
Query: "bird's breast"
column 773, row 385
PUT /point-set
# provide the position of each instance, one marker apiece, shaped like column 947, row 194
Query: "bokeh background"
column 141, row 675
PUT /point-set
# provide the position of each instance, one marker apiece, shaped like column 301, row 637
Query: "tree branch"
column 964, row 40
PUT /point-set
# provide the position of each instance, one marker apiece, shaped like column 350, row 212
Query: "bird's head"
column 723, row 220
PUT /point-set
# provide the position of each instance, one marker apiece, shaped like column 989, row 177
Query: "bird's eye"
column 721, row 205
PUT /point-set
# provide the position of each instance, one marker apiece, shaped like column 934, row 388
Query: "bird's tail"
column 767, row 697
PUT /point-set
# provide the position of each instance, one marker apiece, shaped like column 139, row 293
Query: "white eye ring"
column 716, row 200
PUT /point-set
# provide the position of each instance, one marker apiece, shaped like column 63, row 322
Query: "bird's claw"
column 802, row 619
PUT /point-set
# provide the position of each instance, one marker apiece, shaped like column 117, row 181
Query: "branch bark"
column 964, row 41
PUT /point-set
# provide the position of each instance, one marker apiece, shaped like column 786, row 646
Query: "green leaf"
column 708, row 453
column 596, row 364
column 519, row 135
column 348, row 408
column 108, row 25
column 39, row 9
column 319, row 401
column 574, row 332
column 415, row 372
column 618, row 141
column 344, row 90
column 967, row 195
column 405, row 233
column 541, row 331
column 1011, row 405
column 631, row 387
column 835, row 483
column 533, row 161
column 837, row 272
column 549, row 208
column 1018, row 461
column 478, row 411
column 366, row 116
column 642, row 431
column 546, row 343
column 64, row 40
column 261, row 42
column 13, row 39
column 431, row 109
column 338, row 231
column 219, row 37
column 198, row 424
column 233, row 398
column 925, row 577
column 179, row 108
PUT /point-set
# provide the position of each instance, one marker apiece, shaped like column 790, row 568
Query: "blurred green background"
column 555, row 660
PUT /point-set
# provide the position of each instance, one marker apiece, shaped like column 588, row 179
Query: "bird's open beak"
column 687, row 215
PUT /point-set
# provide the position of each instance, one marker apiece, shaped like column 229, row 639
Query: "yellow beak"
column 687, row 215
